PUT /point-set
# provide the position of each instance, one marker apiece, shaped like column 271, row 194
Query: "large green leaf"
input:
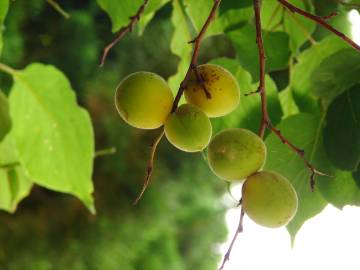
column 14, row 184
column 276, row 48
column 248, row 113
column 121, row 11
column 342, row 131
column 340, row 190
column 275, row 17
column 303, row 130
column 53, row 134
column 308, row 61
column 5, row 121
column 336, row 74
column 179, row 45
column 4, row 6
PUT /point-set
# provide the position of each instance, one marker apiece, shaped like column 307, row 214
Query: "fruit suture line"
column 233, row 154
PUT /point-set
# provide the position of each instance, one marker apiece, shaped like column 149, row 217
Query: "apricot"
column 188, row 128
column 222, row 93
column 144, row 100
column 269, row 199
column 234, row 154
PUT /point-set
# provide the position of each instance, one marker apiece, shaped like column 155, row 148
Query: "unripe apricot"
column 188, row 128
column 144, row 100
column 269, row 199
column 220, row 84
column 234, row 154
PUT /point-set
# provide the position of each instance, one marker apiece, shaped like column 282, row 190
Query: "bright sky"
column 329, row 241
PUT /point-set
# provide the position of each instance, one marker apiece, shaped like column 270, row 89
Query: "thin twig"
column 194, row 59
column 239, row 230
column 123, row 31
column 192, row 66
column 58, row 8
column 319, row 20
column 150, row 167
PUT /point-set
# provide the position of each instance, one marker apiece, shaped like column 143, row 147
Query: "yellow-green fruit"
column 144, row 100
column 234, row 154
column 188, row 128
column 269, row 199
column 222, row 86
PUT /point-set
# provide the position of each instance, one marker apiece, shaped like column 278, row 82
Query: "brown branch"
column 150, row 167
column 123, row 31
column 192, row 66
column 194, row 59
column 239, row 230
column 319, row 20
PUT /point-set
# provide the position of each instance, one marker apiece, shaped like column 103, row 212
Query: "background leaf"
column 14, row 184
column 308, row 61
column 121, row 11
column 4, row 6
column 179, row 45
column 336, row 74
column 5, row 121
column 53, row 135
column 342, row 131
column 277, row 18
column 276, row 48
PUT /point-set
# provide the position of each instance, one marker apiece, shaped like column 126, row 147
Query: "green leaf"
column 4, row 6
column 288, row 104
column 248, row 113
column 5, row 121
column 230, row 5
column 342, row 131
column 198, row 11
column 179, row 45
column 53, row 135
column 303, row 130
column 336, row 74
column 14, row 184
column 121, row 11
column 276, row 48
column 308, row 61
column 275, row 17
column 341, row 190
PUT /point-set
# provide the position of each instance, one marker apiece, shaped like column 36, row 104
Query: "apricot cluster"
column 144, row 100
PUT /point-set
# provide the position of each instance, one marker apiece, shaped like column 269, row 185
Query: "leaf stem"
column 105, row 152
column 58, row 8
column 7, row 69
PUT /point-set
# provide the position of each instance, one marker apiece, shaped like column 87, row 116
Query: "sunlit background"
column 328, row 241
